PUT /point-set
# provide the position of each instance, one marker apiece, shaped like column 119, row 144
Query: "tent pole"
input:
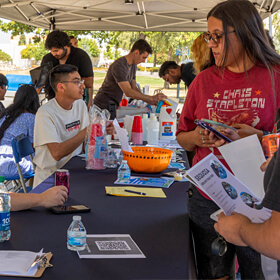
column 52, row 20
column 270, row 25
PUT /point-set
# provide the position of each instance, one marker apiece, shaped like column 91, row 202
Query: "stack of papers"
column 18, row 263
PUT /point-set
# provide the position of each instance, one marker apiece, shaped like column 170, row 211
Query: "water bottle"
column 120, row 158
column 124, row 171
column 111, row 159
column 5, row 206
column 76, row 235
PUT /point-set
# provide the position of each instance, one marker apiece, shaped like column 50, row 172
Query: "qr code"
column 112, row 245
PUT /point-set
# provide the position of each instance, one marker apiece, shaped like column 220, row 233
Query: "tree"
column 89, row 46
column 27, row 52
column 111, row 53
column 22, row 40
column 94, row 49
column 276, row 35
column 16, row 28
column 4, row 56
column 36, row 51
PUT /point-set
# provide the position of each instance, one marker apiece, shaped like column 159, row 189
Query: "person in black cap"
column 3, row 89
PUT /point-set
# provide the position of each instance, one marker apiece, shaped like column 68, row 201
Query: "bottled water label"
column 124, row 175
column 5, row 221
column 76, row 241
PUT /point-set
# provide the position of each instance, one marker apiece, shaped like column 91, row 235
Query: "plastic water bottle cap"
column 77, row 218
column 145, row 116
column 2, row 179
column 154, row 118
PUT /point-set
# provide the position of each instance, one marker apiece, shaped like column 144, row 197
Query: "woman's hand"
column 229, row 133
column 245, row 130
column 204, row 138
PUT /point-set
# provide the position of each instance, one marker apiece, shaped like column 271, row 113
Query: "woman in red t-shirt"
column 240, row 89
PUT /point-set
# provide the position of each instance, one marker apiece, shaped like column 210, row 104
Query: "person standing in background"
column 73, row 41
column 173, row 73
column 201, row 54
column 121, row 78
column 61, row 52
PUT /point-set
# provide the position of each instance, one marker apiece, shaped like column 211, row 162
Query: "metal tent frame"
column 119, row 15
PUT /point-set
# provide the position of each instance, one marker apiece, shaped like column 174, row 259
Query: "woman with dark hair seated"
column 16, row 119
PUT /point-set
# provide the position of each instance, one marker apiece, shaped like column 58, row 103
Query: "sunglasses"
column 214, row 36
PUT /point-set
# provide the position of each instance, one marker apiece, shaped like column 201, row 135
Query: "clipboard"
column 39, row 271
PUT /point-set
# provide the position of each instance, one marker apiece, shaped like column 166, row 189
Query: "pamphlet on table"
column 110, row 246
column 146, row 181
column 229, row 193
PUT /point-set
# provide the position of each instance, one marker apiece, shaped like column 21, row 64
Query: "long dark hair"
column 247, row 23
column 26, row 99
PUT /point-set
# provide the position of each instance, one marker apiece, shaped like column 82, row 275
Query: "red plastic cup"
column 96, row 130
column 137, row 124
column 121, row 124
column 124, row 102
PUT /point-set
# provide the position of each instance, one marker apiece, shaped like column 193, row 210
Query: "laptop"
column 40, row 74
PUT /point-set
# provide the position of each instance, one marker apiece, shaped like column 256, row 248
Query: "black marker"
column 141, row 193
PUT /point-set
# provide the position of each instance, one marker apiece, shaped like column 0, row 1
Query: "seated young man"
column 61, row 123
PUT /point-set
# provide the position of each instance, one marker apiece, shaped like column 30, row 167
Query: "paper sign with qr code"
column 110, row 246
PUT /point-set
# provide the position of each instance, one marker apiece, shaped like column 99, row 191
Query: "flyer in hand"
column 230, row 194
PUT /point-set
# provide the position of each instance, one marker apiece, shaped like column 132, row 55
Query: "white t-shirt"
column 53, row 124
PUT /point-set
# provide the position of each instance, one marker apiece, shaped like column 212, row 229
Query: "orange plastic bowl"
column 148, row 159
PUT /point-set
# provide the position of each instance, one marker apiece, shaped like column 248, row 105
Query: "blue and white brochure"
column 230, row 194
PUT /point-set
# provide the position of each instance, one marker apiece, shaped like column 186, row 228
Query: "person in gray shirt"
column 121, row 78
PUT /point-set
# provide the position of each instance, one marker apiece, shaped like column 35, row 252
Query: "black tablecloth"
column 160, row 228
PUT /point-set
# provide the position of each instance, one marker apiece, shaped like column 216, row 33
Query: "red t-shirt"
column 230, row 98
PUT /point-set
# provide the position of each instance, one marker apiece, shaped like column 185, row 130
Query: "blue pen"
column 141, row 193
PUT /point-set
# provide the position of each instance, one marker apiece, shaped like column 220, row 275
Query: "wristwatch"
column 265, row 132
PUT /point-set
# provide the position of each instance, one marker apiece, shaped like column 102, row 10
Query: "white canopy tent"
column 118, row 15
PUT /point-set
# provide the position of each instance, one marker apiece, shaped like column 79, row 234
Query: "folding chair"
column 22, row 148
